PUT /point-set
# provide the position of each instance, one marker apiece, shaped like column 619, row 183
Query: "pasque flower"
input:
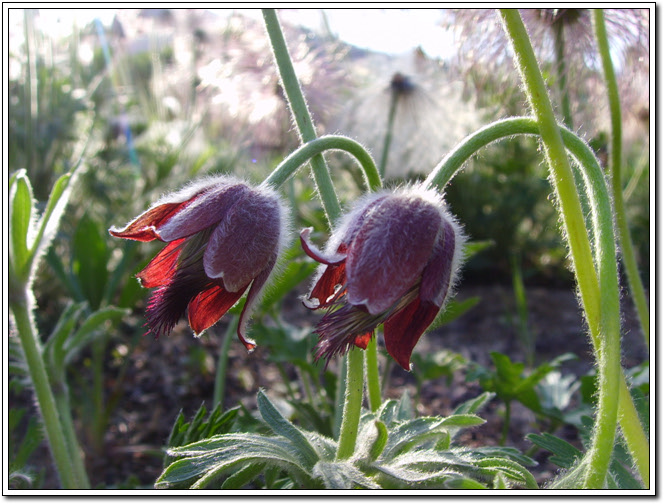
column 392, row 261
column 223, row 237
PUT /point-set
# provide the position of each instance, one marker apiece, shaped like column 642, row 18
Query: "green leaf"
column 284, row 428
column 379, row 443
column 55, row 207
column 474, row 405
column 204, row 461
column 565, row 455
column 90, row 256
column 21, row 208
column 452, row 311
column 338, row 475
column 89, row 330
column 242, row 477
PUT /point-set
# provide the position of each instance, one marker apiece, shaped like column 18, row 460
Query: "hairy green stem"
column 387, row 141
column 561, row 72
column 626, row 246
column 592, row 174
column 352, row 405
column 312, row 148
column 373, row 376
column 608, row 353
column 300, row 113
column 62, row 453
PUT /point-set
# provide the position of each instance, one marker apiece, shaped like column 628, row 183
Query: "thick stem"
column 61, row 452
column 626, row 246
column 352, row 404
column 300, row 113
column 373, row 376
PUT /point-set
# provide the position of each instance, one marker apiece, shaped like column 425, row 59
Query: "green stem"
column 312, row 148
column 608, row 352
column 561, row 71
column 222, row 364
column 300, row 113
column 373, row 376
column 506, row 422
column 595, row 182
column 61, row 397
column 626, row 245
column 352, row 405
column 61, row 452
column 394, row 99
column 630, row 425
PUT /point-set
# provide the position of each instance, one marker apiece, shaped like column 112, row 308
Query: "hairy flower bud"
column 392, row 261
column 223, row 237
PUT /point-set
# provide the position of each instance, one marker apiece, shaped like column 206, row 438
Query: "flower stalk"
column 300, row 113
column 64, row 449
column 615, row 165
column 352, row 405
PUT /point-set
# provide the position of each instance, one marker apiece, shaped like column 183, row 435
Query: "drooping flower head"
column 392, row 261
column 223, row 237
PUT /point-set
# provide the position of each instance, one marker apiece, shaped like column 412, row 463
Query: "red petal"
column 363, row 340
column 402, row 330
column 325, row 290
column 390, row 252
column 143, row 227
column 315, row 253
column 209, row 306
column 162, row 268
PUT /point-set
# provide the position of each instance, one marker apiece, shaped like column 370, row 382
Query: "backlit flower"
column 392, row 261
column 223, row 237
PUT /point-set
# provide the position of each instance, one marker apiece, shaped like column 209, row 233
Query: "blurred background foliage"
column 158, row 97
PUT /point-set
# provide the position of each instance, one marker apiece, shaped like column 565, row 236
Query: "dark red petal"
column 390, row 251
column 363, row 340
column 328, row 287
column 202, row 211
column 162, row 268
column 315, row 253
column 142, row 228
column 249, row 305
column 209, row 306
column 244, row 241
column 402, row 330
column 437, row 274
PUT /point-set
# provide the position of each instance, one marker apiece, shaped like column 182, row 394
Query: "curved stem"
column 300, row 113
column 592, row 173
column 312, row 148
column 626, row 246
column 352, row 405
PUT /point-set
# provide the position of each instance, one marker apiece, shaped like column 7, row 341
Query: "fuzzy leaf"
column 21, row 208
column 342, row 474
column 284, row 428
